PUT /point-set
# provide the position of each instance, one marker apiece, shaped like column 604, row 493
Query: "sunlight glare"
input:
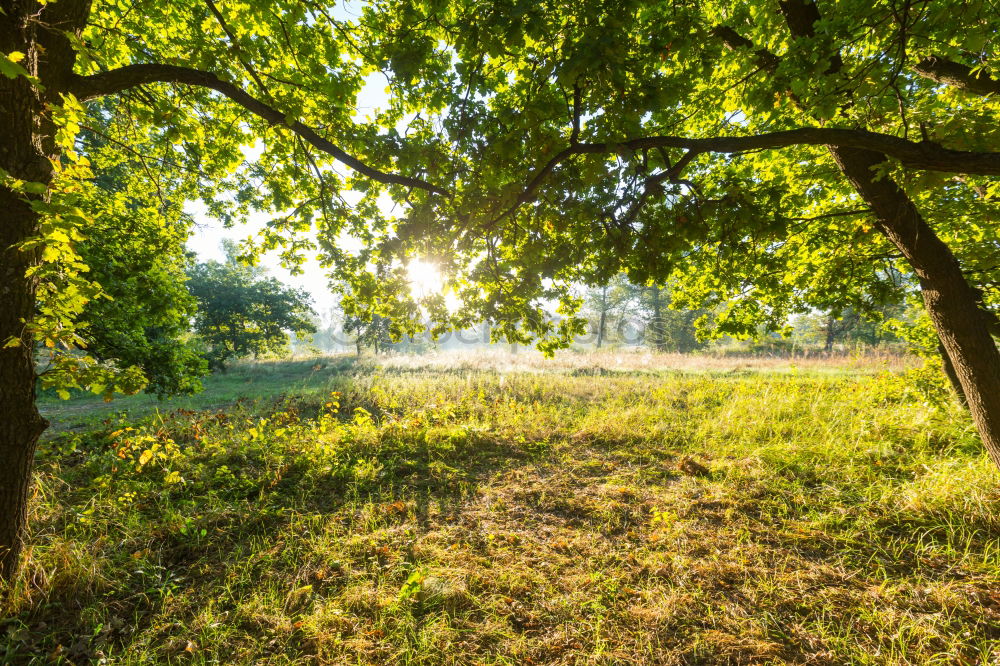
column 425, row 279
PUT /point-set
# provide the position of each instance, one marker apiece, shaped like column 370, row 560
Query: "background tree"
column 373, row 332
column 606, row 303
column 669, row 329
column 850, row 327
column 242, row 312
column 647, row 309
column 135, row 249
column 329, row 335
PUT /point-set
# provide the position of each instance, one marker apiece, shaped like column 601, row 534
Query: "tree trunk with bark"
column 21, row 423
column 949, row 371
column 951, row 302
column 27, row 153
column 22, row 156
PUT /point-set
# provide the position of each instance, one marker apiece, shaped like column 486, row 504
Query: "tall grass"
column 421, row 512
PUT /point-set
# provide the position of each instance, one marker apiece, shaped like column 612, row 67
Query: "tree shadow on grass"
column 331, row 531
column 179, row 570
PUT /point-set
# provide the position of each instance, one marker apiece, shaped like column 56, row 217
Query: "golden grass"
column 468, row 515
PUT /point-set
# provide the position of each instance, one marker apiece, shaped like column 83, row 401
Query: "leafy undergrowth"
column 479, row 518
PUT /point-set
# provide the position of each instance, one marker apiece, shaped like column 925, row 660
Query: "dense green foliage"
column 536, row 101
column 242, row 312
column 135, row 250
column 520, row 144
column 445, row 512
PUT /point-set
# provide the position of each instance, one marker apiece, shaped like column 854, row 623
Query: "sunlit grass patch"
column 433, row 517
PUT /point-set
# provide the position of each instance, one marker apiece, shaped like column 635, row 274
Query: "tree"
column 769, row 158
column 373, row 332
column 665, row 328
column 609, row 300
column 196, row 83
column 669, row 329
column 135, row 249
column 241, row 312
column 329, row 328
column 847, row 326
column 144, row 319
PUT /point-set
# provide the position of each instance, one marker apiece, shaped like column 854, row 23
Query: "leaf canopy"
column 529, row 147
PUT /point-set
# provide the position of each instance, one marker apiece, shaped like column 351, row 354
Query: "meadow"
column 502, row 509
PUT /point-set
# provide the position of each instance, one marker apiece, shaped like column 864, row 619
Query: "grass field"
column 609, row 509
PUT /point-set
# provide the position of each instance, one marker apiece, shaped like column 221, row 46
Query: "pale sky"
column 206, row 240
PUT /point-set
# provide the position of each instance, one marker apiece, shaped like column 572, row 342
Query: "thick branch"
column 766, row 60
column 925, row 155
column 130, row 76
column 801, row 17
column 957, row 75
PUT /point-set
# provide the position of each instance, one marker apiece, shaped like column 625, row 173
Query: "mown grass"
column 439, row 516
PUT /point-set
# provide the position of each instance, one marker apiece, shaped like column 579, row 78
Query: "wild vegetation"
column 774, row 176
column 754, row 160
column 497, row 509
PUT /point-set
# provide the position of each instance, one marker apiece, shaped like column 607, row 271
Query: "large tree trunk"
column 952, row 304
column 20, row 424
column 949, row 371
column 27, row 149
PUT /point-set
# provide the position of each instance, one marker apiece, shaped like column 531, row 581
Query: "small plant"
column 410, row 589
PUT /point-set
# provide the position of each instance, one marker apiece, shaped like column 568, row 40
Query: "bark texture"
column 949, row 371
column 23, row 156
column 951, row 302
column 27, row 151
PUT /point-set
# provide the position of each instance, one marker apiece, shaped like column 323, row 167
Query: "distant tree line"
column 623, row 313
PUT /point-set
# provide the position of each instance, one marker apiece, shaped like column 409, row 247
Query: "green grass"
column 433, row 514
column 243, row 382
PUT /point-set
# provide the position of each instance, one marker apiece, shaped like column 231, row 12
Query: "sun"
column 425, row 278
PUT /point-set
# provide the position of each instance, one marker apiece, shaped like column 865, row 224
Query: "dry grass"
column 469, row 516
column 643, row 360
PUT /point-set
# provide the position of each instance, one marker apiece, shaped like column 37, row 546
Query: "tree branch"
column 958, row 75
column 130, row 76
column 236, row 47
column 925, row 155
column 766, row 60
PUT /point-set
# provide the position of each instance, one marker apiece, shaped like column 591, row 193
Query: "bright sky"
column 206, row 240
column 208, row 234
